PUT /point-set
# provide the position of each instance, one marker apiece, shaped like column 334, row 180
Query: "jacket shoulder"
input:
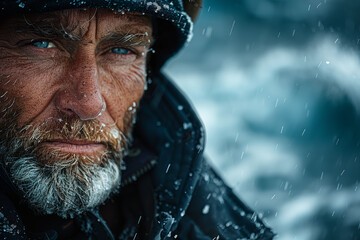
column 215, row 212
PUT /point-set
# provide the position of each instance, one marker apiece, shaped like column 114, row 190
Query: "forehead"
column 77, row 21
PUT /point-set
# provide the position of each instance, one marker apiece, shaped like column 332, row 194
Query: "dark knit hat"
column 174, row 18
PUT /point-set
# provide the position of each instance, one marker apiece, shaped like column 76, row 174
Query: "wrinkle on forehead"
column 74, row 24
column 64, row 22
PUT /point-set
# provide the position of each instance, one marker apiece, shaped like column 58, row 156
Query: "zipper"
column 135, row 176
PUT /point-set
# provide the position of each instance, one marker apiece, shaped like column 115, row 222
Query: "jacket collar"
column 169, row 125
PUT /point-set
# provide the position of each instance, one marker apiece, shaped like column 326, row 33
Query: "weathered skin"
column 75, row 76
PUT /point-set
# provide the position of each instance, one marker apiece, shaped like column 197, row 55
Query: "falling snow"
column 277, row 84
column 206, row 209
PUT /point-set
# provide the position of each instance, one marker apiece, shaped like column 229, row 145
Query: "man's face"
column 70, row 82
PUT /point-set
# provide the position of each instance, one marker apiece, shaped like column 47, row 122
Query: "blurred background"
column 277, row 85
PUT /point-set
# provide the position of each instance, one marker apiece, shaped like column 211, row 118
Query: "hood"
column 173, row 25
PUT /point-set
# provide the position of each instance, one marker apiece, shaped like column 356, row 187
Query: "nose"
column 80, row 94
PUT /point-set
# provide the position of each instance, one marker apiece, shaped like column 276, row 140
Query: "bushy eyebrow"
column 48, row 30
column 127, row 39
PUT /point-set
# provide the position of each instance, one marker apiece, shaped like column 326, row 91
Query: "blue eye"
column 119, row 50
column 43, row 44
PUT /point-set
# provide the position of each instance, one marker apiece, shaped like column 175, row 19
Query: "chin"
column 65, row 188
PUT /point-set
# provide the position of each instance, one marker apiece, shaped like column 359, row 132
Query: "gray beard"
column 68, row 187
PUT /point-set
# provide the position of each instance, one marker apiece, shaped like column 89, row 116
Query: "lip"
column 75, row 146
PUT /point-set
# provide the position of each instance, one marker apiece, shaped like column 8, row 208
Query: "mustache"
column 74, row 130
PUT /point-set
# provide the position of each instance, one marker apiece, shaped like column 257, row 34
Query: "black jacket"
column 168, row 190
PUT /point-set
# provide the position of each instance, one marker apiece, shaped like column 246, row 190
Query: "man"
column 81, row 156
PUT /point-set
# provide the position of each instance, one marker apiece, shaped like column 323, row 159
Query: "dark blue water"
column 277, row 84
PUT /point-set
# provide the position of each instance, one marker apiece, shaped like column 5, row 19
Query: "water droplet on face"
column 115, row 133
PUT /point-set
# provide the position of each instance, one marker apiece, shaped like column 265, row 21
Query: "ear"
column 192, row 8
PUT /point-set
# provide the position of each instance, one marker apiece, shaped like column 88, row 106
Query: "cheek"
column 123, row 90
column 24, row 86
